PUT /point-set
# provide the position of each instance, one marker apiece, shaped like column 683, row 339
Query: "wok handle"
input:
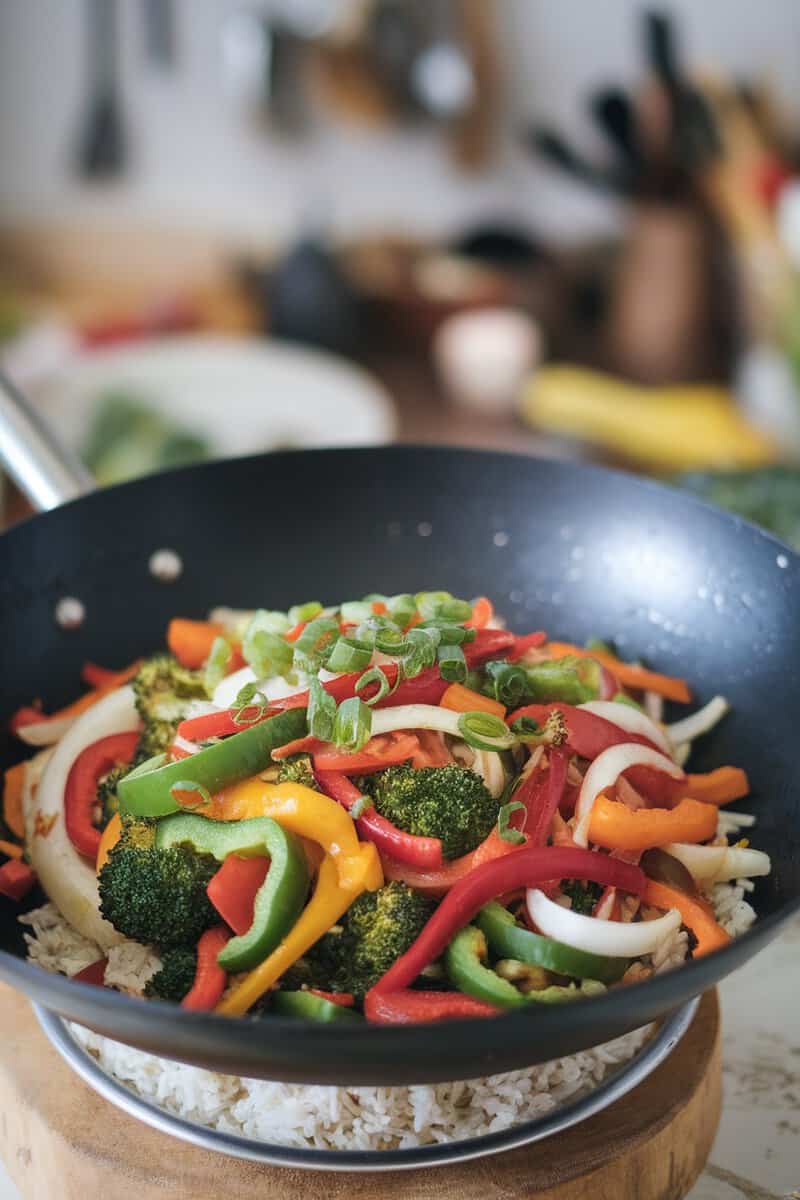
column 46, row 471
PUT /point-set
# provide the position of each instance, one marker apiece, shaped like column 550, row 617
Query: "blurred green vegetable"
column 768, row 497
column 128, row 438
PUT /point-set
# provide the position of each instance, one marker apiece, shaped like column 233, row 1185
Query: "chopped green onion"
column 349, row 655
column 391, row 640
column 314, row 644
column 369, row 629
column 321, row 711
column 360, row 806
column 376, row 675
column 249, row 700
column 216, row 664
column 374, row 598
column 268, row 654
column 485, row 731
column 189, row 787
column 442, row 605
column 402, row 609
column 514, row 836
column 455, row 635
column 506, row 682
column 304, row 612
column 353, row 725
column 270, row 621
column 421, row 652
column 452, row 664
column 353, row 612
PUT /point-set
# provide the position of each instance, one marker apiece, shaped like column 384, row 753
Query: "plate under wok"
column 573, row 549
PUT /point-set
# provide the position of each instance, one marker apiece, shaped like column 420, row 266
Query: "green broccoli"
column 584, row 896
column 376, row 929
column 163, row 690
column 176, row 976
column 156, row 896
column 297, row 769
column 107, row 802
column 451, row 803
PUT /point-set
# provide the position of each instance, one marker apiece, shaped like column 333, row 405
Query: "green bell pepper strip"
column 507, row 939
column 464, row 964
column 312, row 1008
column 281, row 897
column 572, row 680
column 148, row 794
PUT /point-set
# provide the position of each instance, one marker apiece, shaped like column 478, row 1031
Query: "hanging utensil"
column 102, row 142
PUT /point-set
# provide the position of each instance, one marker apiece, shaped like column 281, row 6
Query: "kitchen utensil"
column 576, row 550
column 102, row 143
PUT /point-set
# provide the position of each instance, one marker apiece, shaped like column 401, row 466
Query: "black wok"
column 572, row 549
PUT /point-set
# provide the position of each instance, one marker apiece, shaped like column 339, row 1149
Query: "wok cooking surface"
column 575, row 550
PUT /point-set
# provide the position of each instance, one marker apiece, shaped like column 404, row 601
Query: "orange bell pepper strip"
column 482, row 613
column 10, row 849
column 108, row 840
column 628, row 674
column 616, row 827
column 717, row 787
column 191, row 641
column 463, row 699
column 13, row 787
column 695, row 915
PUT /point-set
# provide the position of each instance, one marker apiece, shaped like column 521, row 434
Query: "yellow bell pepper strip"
column 616, row 827
column 629, row 674
column 108, row 840
column 330, row 901
column 695, row 914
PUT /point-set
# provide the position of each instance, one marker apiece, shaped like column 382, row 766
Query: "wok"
column 575, row 550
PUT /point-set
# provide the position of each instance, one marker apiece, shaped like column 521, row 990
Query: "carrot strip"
column 13, row 786
column 616, row 827
column 10, row 849
column 463, row 699
column 34, row 716
column 628, row 674
column 719, row 786
column 482, row 613
column 694, row 914
column 108, row 840
column 191, row 641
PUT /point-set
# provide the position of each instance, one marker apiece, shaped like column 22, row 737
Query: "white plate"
column 244, row 395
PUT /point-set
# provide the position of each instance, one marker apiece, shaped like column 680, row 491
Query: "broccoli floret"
column 377, row 928
column 451, row 803
column 107, row 801
column 163, row 689
column 297, row 769
column 584, row 896
column 156, row 896
column 176, row 977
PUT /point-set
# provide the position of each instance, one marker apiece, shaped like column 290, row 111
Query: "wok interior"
column 573, row 550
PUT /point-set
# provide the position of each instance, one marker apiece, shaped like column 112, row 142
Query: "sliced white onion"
column 653, row 705
column 234, row 621
column 699, row 722
column 681, row 753
column 489, row 766
column 719, row 864
column 632, row 720
column 274, row 688
column 68, row 879
column 604, row 772
column 45, row 733
column 416, row 716
column 612, row 938
column 732, row 822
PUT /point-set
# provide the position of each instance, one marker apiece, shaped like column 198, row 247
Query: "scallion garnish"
column 304, row 612
column 187, row 787
column 376, row 675
column 402, row 609
column 455, row 635
column 268, row 654
column 452, row 664
column 353, row 612
column 353, row 725
column 514, row 836
column 442, row 605
column 506, row 682
column 421, row 651
column 321, row 711
column 249, row 706
column 391, row 640
column 360, row 806
column 314, row 644
column 485, row 731
column 348, row 654
column 216, row 664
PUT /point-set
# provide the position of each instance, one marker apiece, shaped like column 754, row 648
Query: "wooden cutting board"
column 60, row 1140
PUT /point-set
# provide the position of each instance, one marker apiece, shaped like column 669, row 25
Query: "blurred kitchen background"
column 542, row 225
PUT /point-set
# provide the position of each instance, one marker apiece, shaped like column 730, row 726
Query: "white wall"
column 195, row 161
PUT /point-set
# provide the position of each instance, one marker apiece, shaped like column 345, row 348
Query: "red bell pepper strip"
column 526, row 868
column 588, row 735
column 95, row 973
column 295, row 631
column 436, row 883
column 304, row 745
column 80, row 793
column 379, row 752
column 528, row 641
column 540, row 815
column 422, row 852
column 210, row 980
column 16, row 879
column 343, row 999
column 232, row 890
column 408, row 1007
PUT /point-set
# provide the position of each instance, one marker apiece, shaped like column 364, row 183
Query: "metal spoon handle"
column 46, row 471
